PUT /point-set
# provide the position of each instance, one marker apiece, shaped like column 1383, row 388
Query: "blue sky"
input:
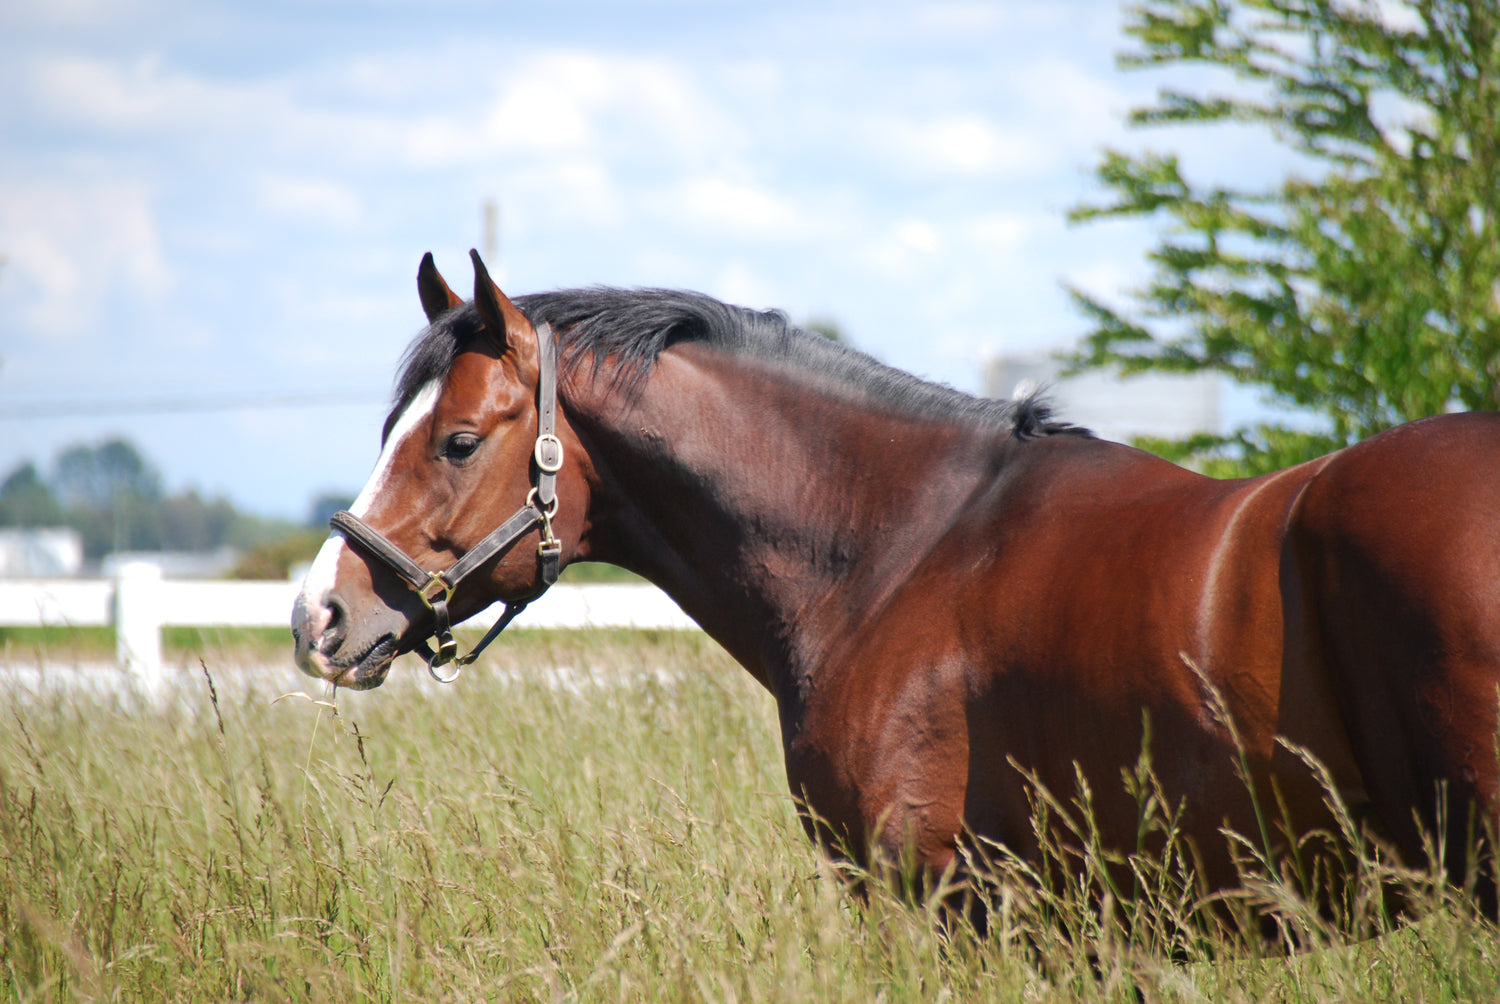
column 207, row 199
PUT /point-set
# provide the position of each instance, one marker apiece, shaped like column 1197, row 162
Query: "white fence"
column 139, row 602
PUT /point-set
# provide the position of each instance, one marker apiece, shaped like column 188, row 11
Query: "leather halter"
column 435, row 589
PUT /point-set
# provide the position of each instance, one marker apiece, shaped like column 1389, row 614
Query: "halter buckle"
column 445, row 596
column 548, row 453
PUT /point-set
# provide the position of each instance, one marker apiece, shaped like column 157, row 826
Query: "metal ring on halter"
column 458, row 669
column 548, row 512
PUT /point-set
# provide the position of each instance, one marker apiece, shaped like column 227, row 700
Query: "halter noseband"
column 540, row 507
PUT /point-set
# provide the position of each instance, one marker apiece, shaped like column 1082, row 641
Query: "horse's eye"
column 460, row 446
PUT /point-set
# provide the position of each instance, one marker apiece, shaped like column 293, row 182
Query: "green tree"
column 1368, row 290
column 25, row 499
column 112, row 495
column 828, row 328
column 190, row 523
column 324, row 506
column 95, row 476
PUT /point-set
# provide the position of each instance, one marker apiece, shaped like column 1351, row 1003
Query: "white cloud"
column 904, row 246
column 754, row 79
column 561, row 102
column 960, row 17
column 591, row 107
column 144, row 94
column 736, row 209
column 738, row 282
column 1076, row 107
column 952, row 143
column 71, row 245
column 563, row 192
column 918, row 236
column 86, row 15
column 1107, row 280
column 1000, row 233
column 545, row 114
column 226, row 121
column 309, row 198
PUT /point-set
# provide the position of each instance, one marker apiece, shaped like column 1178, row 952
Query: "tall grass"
column 584, row 816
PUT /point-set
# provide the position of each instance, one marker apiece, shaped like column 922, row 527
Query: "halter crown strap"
column 540, row 507
column 548, row 452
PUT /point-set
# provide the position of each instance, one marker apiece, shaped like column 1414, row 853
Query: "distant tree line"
column 113, row 497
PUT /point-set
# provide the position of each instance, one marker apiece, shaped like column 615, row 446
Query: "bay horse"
column 938, row 589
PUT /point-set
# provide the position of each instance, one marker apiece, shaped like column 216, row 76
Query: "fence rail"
column 138, row 603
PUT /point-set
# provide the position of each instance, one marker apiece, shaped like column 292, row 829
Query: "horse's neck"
column 777, row 513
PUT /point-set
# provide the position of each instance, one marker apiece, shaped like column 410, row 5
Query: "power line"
column 261, row 401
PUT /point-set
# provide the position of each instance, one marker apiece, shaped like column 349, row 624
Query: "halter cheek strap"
column 436, row 589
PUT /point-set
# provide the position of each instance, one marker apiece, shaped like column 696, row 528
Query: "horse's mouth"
column 369, row 671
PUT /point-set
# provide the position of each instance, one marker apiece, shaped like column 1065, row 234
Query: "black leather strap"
column 500, row 539
column 357, row 530
column 549, row 452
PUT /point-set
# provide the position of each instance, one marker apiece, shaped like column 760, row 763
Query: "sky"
column 215, row 203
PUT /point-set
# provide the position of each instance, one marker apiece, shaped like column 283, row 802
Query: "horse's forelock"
column 429, row 357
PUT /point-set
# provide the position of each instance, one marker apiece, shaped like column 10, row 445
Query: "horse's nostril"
column 338, row 626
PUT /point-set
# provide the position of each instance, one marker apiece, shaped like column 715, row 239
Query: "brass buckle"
column 442, row 583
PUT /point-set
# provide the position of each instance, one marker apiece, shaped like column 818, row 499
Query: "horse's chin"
column 371, row 669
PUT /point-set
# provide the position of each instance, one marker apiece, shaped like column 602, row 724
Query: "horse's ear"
column 437, row 297
column 500, row 316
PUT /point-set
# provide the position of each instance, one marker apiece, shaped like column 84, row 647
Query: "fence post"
column 138, row 620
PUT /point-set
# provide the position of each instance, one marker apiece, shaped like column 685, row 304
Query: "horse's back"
column 1397, row 543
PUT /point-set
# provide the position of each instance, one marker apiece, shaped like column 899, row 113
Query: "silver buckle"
column 550, row 459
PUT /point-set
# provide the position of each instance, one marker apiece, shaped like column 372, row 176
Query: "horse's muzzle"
column 325, row 651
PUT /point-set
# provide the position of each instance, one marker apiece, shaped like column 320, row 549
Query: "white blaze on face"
column 320, row 577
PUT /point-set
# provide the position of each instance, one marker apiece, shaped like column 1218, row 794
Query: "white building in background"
column 40, row 553
column 1113, row 407
column 213, row 564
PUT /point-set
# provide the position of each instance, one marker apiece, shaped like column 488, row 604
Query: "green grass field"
column 583, row 816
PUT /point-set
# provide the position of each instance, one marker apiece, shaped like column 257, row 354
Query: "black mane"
column 631, row 327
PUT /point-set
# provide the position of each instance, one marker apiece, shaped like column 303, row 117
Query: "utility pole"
column 489, row 241
column 5, row 260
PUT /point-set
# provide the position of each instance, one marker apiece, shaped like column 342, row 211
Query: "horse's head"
column 461, row 456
